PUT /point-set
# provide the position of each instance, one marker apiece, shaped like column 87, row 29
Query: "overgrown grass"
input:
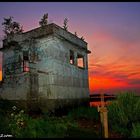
column 136, row 130
column 24, row 126
column 19, row 124
column 123, row 113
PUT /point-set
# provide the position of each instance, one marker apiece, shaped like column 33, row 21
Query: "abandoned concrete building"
column 45, row 68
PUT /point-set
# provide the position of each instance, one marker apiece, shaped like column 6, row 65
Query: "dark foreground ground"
column 83, row 122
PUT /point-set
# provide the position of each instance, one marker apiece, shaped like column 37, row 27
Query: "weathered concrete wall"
column 52, row 81
column 16, row 87
column 58, row 79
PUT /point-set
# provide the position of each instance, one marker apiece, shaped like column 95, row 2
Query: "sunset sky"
column 111, row 29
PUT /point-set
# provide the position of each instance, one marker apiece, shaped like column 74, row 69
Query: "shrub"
column 123, row 112
column 18, row 122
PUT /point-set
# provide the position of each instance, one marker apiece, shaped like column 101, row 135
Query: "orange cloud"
column 113, row 76
column 104, row 83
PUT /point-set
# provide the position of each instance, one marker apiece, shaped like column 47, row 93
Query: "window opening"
column 25, row 61
column 80, row 61
column 71, row 57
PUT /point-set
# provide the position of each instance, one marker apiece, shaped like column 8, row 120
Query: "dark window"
column 71, row 57
column 25, row 55
column 25, row 61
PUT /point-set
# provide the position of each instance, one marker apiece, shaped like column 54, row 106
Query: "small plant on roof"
column 44, row 20
column 82, row 38
column 65, row 26
column 75, row 34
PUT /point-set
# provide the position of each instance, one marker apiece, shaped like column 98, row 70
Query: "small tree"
column 44, row 20
column 65, row 26
column 11, row 27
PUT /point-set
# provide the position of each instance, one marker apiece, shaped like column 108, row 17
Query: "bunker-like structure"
column 45, row 68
